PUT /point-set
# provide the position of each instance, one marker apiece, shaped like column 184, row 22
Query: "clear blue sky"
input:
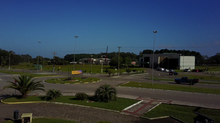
column 181, row 24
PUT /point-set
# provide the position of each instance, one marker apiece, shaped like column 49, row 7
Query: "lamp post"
column 74, row 52
column 102, row 64
column 118, row 58
column 9, row 60
column 153, row 57
column 91, row 63
column 38, row 60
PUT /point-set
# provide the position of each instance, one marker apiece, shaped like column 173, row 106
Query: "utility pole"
column 74, row 53
column 9, row 60
column 118, row 58
column 54, row 53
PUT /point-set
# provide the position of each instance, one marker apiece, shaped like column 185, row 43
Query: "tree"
column 114, row 61
column 106, row 93
column 127, row 61
column 52, row 94
column 25, row 84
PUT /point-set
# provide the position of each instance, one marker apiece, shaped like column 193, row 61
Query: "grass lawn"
column 118, row 105
column 75, row 80
column 47, row 120
column 87, row 68
column 27, row 74
column 184, row 113
column 172, row 80
column 172, row 87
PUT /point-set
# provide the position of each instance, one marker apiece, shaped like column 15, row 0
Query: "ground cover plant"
column 171, row 87
column 47, row 120
column 117, row 105
column 72, row 80
column 184, row 113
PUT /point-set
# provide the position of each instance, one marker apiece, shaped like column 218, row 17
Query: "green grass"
column 118, row 105
column 66, row 68
column 184, row 113
column 27, row 74
column 172, row 87
column 76, row 80
column 47, row 120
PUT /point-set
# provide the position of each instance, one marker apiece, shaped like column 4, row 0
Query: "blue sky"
column 181, row 24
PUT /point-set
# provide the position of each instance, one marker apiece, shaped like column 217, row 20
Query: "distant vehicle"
column 173, row 73
column 186, row 80
column 186, row 70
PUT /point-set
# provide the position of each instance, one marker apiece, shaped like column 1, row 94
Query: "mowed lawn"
column 87, row 68
column 171, row 87
column 184, row 113
column 117, row 105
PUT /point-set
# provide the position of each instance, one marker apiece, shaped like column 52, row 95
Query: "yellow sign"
column 76, row 71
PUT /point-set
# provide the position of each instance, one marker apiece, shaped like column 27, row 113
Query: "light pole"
column 9, row 60
column 102, row 64
column 153, row 57
column 38, row 60
column 91, row 63
column 118, row 58
column 74, row 52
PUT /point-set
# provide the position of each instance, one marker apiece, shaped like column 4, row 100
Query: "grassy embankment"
column 172, row 87
column 117, row 105
column 184, row 113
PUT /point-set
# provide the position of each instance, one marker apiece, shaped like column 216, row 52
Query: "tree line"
column 7, row 57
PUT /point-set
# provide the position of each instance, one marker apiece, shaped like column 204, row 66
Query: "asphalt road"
column 176, row 97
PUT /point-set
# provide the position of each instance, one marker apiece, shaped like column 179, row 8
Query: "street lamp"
column 74, row 52
column 91, row 63
column 118, row 58
column 38, row 60
column 153, row 57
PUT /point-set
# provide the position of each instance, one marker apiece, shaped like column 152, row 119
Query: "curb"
column 154, row 107
column 76, row 83
column 132, row 105
column 58, row 103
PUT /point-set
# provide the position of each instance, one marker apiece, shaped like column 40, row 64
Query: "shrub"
column 109, row 72
column 134, row 70
column 84, row 71
column 81, row 96
column 106, row 93
column 128, row 70
column 52, row 94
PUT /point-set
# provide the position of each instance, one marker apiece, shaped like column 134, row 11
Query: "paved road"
column 177, row 97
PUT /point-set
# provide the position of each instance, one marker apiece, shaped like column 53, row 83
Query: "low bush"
column 81, row 96
column 52, row 94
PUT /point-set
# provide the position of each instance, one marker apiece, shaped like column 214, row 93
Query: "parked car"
column 186, row 80
column 173, row 73
column 186, row 70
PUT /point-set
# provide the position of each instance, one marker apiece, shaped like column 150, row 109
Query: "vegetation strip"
column 46, row 120
column 29, row 74
column 118, row 105
column 75, row 80
column 172, row 87
column 183, row 113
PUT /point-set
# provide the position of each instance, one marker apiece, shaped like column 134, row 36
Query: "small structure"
column 26, row 118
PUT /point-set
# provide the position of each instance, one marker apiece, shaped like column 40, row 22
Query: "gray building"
column 168, row 61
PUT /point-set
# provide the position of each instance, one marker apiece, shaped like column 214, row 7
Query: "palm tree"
column 106, row 93
column 25, row 84
column 53, row 94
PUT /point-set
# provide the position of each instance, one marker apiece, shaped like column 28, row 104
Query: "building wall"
column 187, row 62
column 170, row 61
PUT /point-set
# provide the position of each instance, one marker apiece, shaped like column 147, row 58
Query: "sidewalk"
column 143, row 107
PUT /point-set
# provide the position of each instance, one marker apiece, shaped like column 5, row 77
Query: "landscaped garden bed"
column 73, row 80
